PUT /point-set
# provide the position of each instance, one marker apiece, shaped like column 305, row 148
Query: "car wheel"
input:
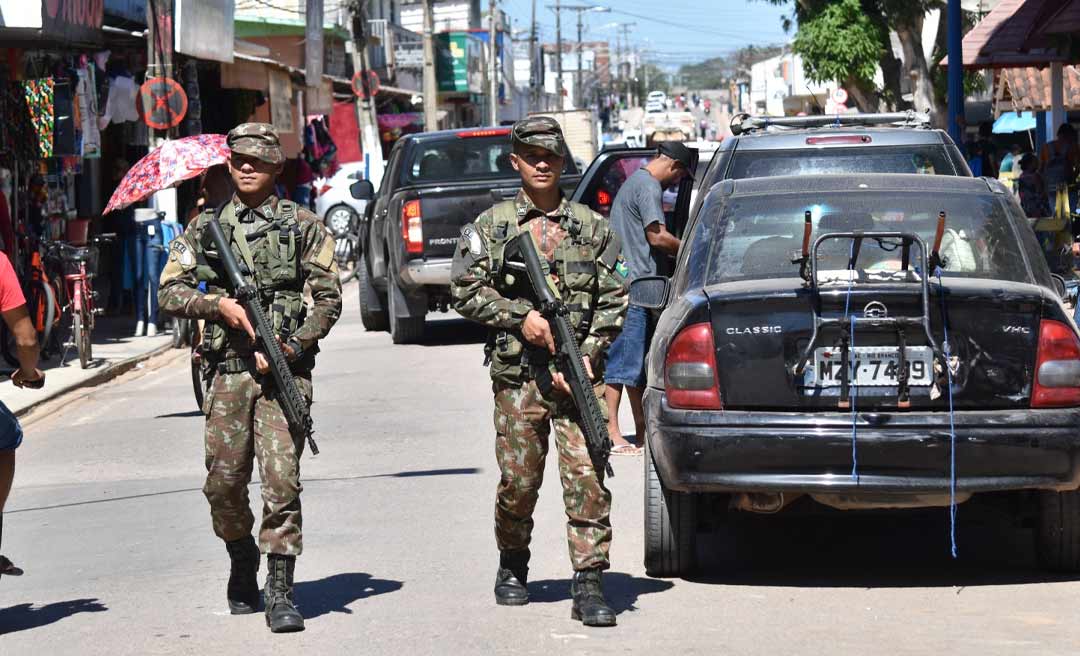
column 372, row 307
column 1058, row 534
column 339, row 219
column 403, row 330
column 670, row 526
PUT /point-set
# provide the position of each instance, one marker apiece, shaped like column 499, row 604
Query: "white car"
column 334, row 204
column 653, row 106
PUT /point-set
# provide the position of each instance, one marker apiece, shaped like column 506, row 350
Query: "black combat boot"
column 281, row 613
column 589, row 604
column 512, row 578
column 243, row 590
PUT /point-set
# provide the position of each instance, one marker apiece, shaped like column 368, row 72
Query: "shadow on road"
column 173, row 415
column 333, row 594
column 452, row 332
column 622, row 590
column 883, row 549
column 455, row 471
column 29, row 616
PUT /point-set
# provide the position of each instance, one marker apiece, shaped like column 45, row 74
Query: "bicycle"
column 78, row 265
column 41, row 302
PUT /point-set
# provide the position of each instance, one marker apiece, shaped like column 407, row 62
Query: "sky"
column 685, row 31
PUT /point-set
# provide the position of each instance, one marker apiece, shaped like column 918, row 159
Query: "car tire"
column 1058, row 536
column 407, row 329
column 670, row 526
column 372, row 313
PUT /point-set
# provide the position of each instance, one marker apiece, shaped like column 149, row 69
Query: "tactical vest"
column 271, row 258
column 575, row 267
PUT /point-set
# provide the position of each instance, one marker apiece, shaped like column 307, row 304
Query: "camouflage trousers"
column 523, row 419
column 244, row 423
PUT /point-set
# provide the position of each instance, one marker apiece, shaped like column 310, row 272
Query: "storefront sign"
column 76, row 20
column 459, row 58
column 313, row 43
column 162, row 103
column 204, row 29
column 281, row 115
column 409, row 54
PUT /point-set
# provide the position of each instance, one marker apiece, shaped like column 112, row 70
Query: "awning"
column 1011, row 122
column 1001, row 39
column 1065, row 20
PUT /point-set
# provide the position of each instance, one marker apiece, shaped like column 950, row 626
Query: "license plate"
column 875, row 366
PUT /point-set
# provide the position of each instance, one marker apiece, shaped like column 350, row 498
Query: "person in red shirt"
column 13, row 309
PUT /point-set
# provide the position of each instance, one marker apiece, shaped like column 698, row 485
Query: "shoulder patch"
column 621, row 268
column 181, row 254
column 471, row 238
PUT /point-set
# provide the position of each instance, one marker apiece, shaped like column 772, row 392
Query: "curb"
column 106, row 374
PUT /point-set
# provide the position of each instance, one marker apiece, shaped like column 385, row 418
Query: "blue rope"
column 952, row 419
column 851, row 347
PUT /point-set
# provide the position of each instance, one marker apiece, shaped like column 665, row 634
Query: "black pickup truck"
column 435, row 182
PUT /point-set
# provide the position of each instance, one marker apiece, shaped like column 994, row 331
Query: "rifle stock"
column 568, row 357
column 292, row 401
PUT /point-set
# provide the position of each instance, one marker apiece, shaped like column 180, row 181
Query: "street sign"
column 162, row 103
column 839, row 96
column 840, row 108
column 365, row 83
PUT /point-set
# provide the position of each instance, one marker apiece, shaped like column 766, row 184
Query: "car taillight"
column 839, row 139
column 1057, row 367
column 690, row 370
column 490, row 132
column 411, row 230
column 603, row 198
column 323, row 189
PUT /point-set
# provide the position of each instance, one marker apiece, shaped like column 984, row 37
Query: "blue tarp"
column 1010, row 122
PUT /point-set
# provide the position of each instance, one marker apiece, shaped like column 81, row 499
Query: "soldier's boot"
column 512, row 578
column 590, row 607
column 281, row 613
column 243, row 589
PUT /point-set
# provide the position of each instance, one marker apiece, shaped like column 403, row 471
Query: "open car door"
column 605, row 176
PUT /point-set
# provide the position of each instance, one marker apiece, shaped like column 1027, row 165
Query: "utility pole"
column 535, row 70
column 366, row 119
column 558, row 53
column 956, row 70
column 493, row 65
column 431, row 86
column 577, row 78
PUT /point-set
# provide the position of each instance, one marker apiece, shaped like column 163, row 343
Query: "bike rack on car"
column 848, row 323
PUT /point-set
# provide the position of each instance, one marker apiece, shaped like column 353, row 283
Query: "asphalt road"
column 108, row 520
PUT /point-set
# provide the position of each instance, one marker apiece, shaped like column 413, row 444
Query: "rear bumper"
column 423, row 273
column 897, row 453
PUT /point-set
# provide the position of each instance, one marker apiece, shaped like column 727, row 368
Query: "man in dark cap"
column 284, row 247
column 584, row 262
column 637, row 215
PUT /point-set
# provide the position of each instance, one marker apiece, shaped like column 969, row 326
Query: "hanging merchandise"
column 88, row 112
column 120, row 105
column 39, row 102
column 17, row 137
column 64, row 137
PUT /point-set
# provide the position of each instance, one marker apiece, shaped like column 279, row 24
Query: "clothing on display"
column 86, row 95
column 150, row 257
column 39, row 102
column 120, row 105
column 64, row 137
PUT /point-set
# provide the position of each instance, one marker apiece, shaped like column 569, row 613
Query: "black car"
column 434, row 183
column 807, row 348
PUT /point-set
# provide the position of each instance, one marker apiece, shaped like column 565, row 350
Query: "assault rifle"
column 292, row 401
column 568, row 358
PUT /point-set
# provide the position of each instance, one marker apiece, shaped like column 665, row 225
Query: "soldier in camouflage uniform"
column 583, row 258
column 286, row 247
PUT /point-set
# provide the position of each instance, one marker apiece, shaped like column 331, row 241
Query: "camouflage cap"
column 258, row 140
column 542, row 131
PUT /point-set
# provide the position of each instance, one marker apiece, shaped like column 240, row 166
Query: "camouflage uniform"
column 583, row 254
column 287, row 247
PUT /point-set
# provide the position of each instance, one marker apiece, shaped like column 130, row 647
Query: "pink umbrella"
column 167, row 166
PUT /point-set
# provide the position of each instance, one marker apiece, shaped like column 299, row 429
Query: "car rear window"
column 757, row 236
column 459, row 159
column 928, row 159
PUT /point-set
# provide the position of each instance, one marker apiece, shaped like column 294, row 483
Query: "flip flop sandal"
column 626, row 450
column 9, row 568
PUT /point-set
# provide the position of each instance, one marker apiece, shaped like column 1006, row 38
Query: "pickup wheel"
column 407, row 329
column 1058, row 537
column 670, row 526
column 372, row 312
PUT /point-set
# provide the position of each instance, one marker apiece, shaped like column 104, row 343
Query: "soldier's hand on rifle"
column 262, row 363
column 558, row 380
column 537, row 331
column 235, row 316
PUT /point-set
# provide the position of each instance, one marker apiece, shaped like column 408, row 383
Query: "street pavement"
column 109, row 522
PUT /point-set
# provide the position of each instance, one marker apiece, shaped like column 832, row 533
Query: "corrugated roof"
column 1003, row 38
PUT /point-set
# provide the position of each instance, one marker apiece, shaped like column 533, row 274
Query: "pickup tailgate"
column 445, row 209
